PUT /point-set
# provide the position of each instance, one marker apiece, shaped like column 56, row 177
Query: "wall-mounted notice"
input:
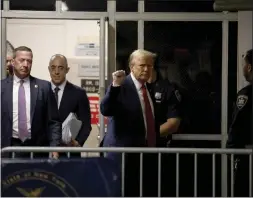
column 91, row 86
column 87, row 49
column 94, row 109
column 88, row 68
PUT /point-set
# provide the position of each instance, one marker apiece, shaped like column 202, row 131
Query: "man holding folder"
column 73, row 104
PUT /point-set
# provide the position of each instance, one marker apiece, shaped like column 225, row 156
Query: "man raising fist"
column 129, row 106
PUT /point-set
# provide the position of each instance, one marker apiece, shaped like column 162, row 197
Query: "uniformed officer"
column 167, row 104
column 168, row 116
column 239, row 135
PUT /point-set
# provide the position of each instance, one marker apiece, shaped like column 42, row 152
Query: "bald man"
column 70, row 98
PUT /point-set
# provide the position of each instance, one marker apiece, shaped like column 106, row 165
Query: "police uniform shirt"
column 240, row 130
column 167, row 100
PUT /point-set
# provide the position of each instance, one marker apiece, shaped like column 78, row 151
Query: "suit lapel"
column 130, row 82
column 34, row 93
column 136, row 101
column 9, row 96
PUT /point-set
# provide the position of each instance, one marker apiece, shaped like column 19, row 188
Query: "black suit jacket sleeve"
column 83, row 114
column 54, row 124
column 110, row 104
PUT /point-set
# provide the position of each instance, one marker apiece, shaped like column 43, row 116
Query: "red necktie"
column 151, row 134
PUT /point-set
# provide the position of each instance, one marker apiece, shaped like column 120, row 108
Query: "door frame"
column 141, row 16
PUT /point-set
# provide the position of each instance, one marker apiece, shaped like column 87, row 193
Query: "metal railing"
column 230, row 153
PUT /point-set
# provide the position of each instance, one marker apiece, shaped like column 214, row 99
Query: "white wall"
column 49, row 37
column 244, row 42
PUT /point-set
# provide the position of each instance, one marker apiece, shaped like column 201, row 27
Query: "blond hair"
column 141, row 53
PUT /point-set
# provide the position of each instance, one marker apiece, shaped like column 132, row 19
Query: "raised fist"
column 118, row 77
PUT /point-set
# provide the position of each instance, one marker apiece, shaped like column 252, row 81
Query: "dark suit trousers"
column 18, row 142
column 65, row 155
column 149, row 175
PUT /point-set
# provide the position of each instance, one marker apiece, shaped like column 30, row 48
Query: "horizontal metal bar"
column 208, row 137
column 193, row 137
column 128, row 150
column 175, row 16
column 211, row 137
column 53, row 15
column 122, row 16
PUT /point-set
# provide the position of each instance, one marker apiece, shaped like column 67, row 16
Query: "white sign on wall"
column 87, row 49
column 88, row 68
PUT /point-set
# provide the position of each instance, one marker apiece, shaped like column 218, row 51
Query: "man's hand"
column 74, row 143
column 118, row 77
column 55, row 155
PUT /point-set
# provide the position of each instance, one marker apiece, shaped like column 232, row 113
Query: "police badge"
column 241, row 101
column 158, row 95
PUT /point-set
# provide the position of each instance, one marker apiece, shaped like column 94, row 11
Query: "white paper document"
column 70, row 128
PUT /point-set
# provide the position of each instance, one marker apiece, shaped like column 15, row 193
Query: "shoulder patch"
column 241, row 101
column 178, row 95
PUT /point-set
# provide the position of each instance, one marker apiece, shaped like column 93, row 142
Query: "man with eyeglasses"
column 70, row 99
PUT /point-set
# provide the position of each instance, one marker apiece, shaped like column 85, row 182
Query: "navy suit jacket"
column 45, row 123
column 75, row 100
column 126, row 127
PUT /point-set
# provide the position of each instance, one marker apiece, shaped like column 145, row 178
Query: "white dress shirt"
column 16, row 84
column 138, row 86
column 60, row 92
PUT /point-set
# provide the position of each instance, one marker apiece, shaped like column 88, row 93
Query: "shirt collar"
column 137, row 84
column 61, row 87
column 17, row 79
